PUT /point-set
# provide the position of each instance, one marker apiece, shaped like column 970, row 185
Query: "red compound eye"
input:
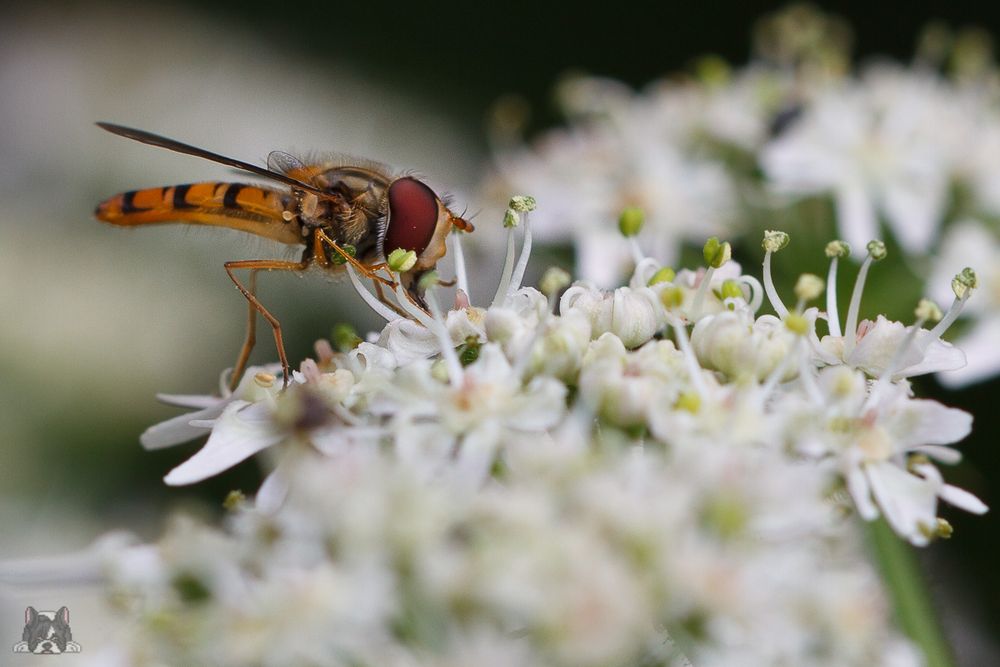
column 413, row 215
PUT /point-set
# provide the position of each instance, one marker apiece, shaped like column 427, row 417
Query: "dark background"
column 462, row 56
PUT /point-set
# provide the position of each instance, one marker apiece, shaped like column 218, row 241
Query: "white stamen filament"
column 772, row 293
column 411, row 309
column 756, row 292
column 779, row 372
column 508, row 267
column 460, row 275
column 832, row 315
column 690, row 360
column 699, row 296
column 637, row 256
column 522, row 260
column 954, row 310
column 440, row 328
column 380, row 308
column 851, row 326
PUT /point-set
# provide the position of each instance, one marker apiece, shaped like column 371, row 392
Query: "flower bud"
column 808, row 287
column 554, row 280
column 630, row 221
column 717, row 252
column 663, row 275
column 928, row 311
column 401, row 261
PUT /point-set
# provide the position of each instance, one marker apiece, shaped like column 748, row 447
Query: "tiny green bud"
column 630, row 221
column 233, row 500
column 713, row 70
column 808, row 287
column 928, row 311
column 797, row 324
column 511, row 218
column 428, row 280
column 774, row 240
column 837, row 248
column 344, row 337
column 731, row 290
column 522, row 203
column 717, row 252
column 468, row 351
column 689, row 401
column 401, row 261
column 664, row 275
column 944, row 529
column 877, row 250
column 672, row 297
column 348, row 250
column 964, row 282
column 554, row 280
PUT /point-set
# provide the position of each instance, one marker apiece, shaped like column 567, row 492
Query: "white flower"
column 634, row 152
column 736, row 344
column 872, row 437
column 878, row 344
column 434, row 421
column 633, row 315
column 875, row 146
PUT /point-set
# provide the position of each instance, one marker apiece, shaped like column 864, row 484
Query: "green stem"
column 910, row 598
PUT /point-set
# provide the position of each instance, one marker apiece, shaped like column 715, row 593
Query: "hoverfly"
column 341, row 212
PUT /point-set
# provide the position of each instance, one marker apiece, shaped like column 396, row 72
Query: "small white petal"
column 273, row 491
column 940, row 453
column 857, row 484
column 962, row 499
column 180, row 429
column 242, row 431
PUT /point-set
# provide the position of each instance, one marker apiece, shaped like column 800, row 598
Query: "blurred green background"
column 96, row 320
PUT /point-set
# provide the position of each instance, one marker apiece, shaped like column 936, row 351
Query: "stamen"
column 522, row 260
column 380, row 308
column 756, row 292
column 772, row 242
column 510, row 221
column 456, row 250
column 690, row 360
column 962, row 285
column 876, row 251
column 440, row 328
column 834, row 250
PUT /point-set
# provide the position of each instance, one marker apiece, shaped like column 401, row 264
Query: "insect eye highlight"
column 413, row 215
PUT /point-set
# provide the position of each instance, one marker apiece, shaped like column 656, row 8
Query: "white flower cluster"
column 651, row 475
column 708, row 154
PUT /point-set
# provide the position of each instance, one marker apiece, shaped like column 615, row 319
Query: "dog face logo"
column 46, row 633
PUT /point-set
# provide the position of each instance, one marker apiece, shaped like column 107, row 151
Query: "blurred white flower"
column 970, row 243
column 875, row 145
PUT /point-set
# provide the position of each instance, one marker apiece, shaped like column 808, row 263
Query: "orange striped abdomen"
column 248, row 208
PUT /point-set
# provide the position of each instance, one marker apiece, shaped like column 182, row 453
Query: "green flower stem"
column 909, row 594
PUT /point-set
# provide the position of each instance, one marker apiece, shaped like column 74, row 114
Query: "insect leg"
column 255, row 307
column 366, row 271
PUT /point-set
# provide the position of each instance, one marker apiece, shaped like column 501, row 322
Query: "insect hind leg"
column 254, row 307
